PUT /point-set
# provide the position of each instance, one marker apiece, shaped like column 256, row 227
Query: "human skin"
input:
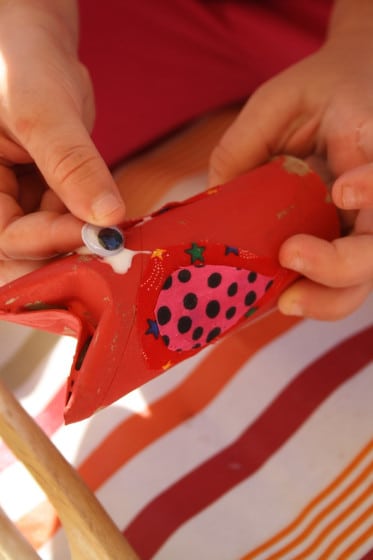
column 321, row 109
column 51, row 175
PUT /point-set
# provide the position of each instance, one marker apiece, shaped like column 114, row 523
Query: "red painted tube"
column 186, row 276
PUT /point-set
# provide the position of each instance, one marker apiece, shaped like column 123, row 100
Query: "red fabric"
column 156, row 65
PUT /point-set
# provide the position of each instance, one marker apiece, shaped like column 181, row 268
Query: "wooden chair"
column 90, row 531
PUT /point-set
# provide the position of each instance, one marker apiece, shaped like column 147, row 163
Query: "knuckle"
column 342, row 274
column 221, row 160
column 347, row 268
column 24, row 127
column 76, row 163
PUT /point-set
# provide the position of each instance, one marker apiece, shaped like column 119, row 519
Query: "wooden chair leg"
column 12, row 543
column 90, row 531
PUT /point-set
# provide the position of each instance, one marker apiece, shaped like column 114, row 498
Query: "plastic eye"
column 103, row 241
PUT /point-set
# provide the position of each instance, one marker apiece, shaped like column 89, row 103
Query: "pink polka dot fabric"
column 198, row 303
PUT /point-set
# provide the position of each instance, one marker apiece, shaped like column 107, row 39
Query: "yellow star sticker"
column 167, row 366
column 158, row 254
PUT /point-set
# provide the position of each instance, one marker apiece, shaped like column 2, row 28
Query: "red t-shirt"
column 156, row 65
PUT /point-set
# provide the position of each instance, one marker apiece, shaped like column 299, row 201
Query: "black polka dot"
column 212, row 308
column 184, row 324
column 252, row 277
column 195, row 346
column 250, row 298
column 190, row 301
column 166, row 340
column 184, row 275
column 213, row 334
column 163, row 315
column 269, row 285
column 214, row 280
column 230, row 312
column 232, row 290
column 168, row 283
column 197, row 333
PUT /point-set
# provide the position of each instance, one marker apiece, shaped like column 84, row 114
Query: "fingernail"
column 105, row 205
column 291, row 308
column 349, row 199
column 296, row 263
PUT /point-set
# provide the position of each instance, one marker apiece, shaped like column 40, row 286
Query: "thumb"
column 273, row 121
column 64, row 153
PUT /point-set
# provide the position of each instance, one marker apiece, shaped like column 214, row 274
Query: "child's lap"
column 156, row 66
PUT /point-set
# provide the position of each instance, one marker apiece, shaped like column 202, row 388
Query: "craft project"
column 152, row 292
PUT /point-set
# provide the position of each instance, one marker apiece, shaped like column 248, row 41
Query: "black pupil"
column 110, row 239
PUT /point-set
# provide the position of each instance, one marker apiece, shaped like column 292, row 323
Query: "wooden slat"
column 12, row 543
column 90, row 531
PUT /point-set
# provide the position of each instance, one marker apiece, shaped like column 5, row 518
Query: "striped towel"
column 259, row 447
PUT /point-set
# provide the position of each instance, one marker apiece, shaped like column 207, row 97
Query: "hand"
column 51, row 175
column 320, row 107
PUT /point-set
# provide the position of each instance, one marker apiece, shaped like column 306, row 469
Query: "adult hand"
column 51, row 175
column 320, row 107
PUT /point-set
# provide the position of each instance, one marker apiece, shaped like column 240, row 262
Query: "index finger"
column 343, row 263
column 72, row 166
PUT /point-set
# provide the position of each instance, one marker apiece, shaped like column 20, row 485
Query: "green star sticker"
column 196, row 253
column 250, row 312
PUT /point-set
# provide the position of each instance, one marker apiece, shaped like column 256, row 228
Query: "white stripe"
column 364, row 548
column 268, row 501
column 18, row 491
column 57, row 548
column 345, row 525
column 12, row 338
column 48, row 376
column 251, row 390
column 244, row 398
column 77, row 441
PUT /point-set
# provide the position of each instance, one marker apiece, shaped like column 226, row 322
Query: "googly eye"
column 103, row 241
